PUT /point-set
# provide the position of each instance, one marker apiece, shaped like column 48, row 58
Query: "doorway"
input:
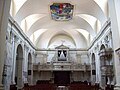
column 30, row 73
column 61, row 78
column 18, row 69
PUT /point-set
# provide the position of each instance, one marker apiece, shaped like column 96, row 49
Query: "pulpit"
column 106, row 65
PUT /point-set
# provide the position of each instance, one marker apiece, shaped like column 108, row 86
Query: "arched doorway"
column 18, row 68
column 30, row 68
column 93, row 69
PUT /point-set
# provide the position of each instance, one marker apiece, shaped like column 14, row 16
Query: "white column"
column 90, row 57
column 30, row 77
column 93, row 77
column 25, row 64
column 98, row 71
column 20, row 72
column 33, row 58
column 114, row 11
column 4, row 14
column 15, row 44
column 14, row 59
column 117, row 70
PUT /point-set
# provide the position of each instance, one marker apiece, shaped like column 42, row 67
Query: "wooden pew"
column 109, row 87
column 13, row 87
column 78, row 87
column 41, row 87
column 82, row 87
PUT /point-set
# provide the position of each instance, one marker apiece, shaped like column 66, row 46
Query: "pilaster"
column 117, row 86
column 4, row 14
column 115, row 22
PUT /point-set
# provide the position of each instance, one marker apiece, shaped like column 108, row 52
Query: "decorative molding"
column 101, row 33
column 16, row 38
column 26, row 48
column 20, row 31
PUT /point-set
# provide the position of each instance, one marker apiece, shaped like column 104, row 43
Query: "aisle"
column 62, row 88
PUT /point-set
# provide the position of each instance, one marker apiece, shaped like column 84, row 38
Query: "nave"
column 59, row 44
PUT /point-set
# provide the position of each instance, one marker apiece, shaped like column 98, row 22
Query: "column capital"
column 16, row 38
column 26, row 48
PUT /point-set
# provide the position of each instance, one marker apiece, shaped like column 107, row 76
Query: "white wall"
column 13, row 39
column 104, row 37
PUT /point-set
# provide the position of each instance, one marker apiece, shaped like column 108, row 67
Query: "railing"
column 61, row 66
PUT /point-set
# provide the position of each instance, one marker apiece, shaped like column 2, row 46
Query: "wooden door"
column 62, row 78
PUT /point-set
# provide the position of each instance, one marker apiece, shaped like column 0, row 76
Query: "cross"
column 62, row 41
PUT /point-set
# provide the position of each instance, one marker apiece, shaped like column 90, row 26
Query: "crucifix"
column 62, row 41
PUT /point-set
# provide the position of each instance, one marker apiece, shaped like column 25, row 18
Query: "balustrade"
column 61, row 66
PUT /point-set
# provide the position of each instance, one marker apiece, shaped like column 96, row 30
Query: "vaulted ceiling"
column 34, row 17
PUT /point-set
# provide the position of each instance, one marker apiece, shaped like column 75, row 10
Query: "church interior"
column 59, row 45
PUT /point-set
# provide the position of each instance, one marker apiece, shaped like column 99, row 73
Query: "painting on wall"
column 61, row 11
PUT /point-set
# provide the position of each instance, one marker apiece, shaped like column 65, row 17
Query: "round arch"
column 19, row 65
column 62, row 37
column 46, row 23
column 93, row 57
column 79, row 39
column 93, row 68
column 102, row 47
column 29, row 68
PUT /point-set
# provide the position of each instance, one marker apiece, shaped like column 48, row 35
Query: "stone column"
column 33, row 58
column 13, row 55
column 19, row 72
column 117, row 86
column 93, row 74
column 14, row 48
column 25, row 63
column 30, row 77
column 90, row 57
column 98, row 71
column 4, row 14
column 114, row 8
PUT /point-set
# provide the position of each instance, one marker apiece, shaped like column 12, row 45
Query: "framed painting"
column 61, row 11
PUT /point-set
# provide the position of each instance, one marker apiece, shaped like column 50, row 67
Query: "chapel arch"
column 93, row 68
column 29, row 68
column 18, row 68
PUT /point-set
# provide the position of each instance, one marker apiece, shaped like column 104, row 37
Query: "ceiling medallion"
column 61, row 11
